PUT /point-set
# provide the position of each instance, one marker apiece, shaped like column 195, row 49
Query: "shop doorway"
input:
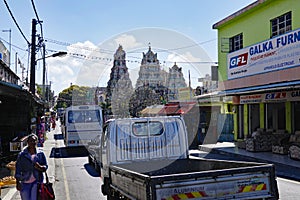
column 254, row 117
column 275, row 116
column 296, row 116
column 211, row 124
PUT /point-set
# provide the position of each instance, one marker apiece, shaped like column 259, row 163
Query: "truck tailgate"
column 195, row 178
column 238, row 186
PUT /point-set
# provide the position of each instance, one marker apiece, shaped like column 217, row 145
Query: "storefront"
column 296, row 116
column 216, row 118
column 17, row 107
column 275, row 116
column 276, row 111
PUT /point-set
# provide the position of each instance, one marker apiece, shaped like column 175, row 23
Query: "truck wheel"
column 113, row 195
column 110, row 197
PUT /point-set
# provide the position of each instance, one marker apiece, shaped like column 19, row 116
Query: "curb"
column 281, row 174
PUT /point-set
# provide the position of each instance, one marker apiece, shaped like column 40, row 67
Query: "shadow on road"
column 68, row 152
column 91, row 170
column 58, row 136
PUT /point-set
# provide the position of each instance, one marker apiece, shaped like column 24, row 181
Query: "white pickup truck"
column 147, row 158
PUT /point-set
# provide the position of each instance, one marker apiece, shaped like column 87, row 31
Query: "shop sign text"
column 277, row 53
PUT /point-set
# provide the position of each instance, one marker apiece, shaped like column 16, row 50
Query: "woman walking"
column 31, row 162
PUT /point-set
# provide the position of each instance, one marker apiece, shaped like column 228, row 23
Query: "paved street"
column 74, row 178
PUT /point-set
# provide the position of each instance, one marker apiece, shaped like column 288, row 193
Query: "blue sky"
column 93, row 23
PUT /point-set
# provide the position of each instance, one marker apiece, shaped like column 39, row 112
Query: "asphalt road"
column 75, row 179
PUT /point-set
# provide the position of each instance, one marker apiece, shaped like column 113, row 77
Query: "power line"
column 86, row 57
column 28, row 43
column 185, row 47
column 128, row 52
column 37, row 17
column 82, row 56
column 175, row 49
column 13, row 45
column 76, row 46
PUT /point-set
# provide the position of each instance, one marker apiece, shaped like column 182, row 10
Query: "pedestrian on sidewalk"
column 31, row 162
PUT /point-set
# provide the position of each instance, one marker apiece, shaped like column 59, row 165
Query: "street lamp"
column 9, row 30
column 32, row 71
column 57, row 54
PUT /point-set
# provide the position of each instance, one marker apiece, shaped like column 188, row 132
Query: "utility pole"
column 32, row 62
column 49, row 91
column 190, row 85
column 44, row 71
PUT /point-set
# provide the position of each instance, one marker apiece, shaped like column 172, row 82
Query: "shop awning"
column 262, row 88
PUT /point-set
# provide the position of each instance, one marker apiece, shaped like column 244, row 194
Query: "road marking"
column 64, row 177
column 65, row 180
column 288, row 180
column 10, row 194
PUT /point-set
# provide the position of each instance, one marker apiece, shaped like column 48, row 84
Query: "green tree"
column 75, row 95
column 39, row 89
column 142, row 97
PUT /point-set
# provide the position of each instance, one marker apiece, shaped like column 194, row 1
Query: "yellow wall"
column 235, row 124
column 246, row 128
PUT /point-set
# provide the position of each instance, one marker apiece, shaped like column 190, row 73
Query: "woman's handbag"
column 45, row 190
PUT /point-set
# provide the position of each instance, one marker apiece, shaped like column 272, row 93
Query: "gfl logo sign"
column 239, row 60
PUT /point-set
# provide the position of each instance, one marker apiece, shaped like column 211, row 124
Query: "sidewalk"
column 10, row 193
column 288, row 168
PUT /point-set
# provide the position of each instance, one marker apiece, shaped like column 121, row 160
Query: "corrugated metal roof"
column 152, row 110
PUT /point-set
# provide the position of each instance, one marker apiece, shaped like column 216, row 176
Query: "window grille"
column 281, row 24
column 236, row 42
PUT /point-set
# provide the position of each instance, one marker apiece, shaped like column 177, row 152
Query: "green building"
column 259, row 66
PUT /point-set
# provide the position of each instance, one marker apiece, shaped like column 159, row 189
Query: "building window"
column 236, row 42
column 281, row 24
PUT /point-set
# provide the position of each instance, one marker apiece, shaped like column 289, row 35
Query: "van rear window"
column 142, row 128
column 83, row 116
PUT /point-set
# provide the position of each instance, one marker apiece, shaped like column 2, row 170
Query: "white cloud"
column 127, row 41
column 186, row 57
column 90, row 65
column 84, row 48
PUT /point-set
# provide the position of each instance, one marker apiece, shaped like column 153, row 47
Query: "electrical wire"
column 196, row 44
column 12, row 16
column 12, row 45
column 37, row 17
column 77, row 47
column 85, row 57
column 106, row 51
column 129, row 52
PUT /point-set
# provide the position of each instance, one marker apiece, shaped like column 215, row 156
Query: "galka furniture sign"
column 277, row 53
